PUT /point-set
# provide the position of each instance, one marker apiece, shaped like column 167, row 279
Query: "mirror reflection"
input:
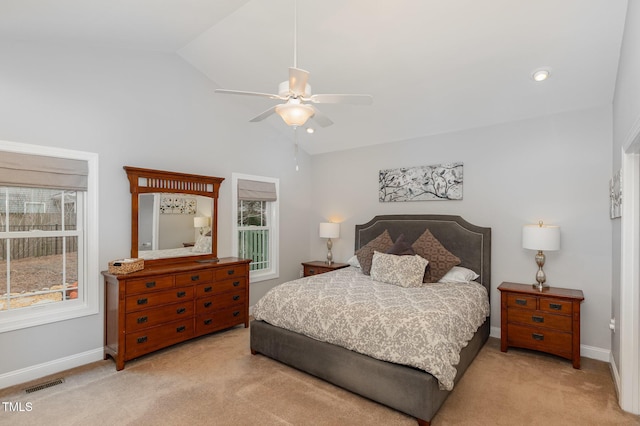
column 174, row 225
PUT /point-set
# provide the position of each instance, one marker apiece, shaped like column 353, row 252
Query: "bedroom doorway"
column 629, row 321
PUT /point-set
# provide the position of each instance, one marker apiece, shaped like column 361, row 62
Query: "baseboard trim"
column 615, row 374
column 586, row 351
column 34, row 372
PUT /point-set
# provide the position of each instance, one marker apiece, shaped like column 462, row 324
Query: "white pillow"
column 353, row 261
column 403, row 271
column 458, row 274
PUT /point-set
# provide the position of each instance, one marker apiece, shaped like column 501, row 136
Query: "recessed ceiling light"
column 541, row 75
column 310, row 130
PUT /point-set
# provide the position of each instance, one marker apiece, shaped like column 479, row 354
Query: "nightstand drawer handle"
column 522, row 302
column 150, row 284
column 208, row 289
column 236, row 313
column 142, row 301
column 142, row 320
column 537, row 319
column 231, row 272
column 207, row 304
column 537, row 336
column 208, row 321
column 312, row 271
column 236, row 297
column 556, row 306
column 181, row 329
column 181, row 310
column 236, row 283
column 181, row 294
column 195, row 277
column 142, row 339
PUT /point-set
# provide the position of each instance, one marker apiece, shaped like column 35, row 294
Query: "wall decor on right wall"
column 615, row 195
column 424, row 183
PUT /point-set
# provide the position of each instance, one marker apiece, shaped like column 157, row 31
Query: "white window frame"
column 273, row 209
column 87, row 302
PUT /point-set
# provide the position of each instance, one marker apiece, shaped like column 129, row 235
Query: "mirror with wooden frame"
column 174, row 216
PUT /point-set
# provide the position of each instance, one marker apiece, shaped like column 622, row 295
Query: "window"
column 48, row 216
column 255, row 224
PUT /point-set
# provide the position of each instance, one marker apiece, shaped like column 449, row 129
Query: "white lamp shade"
column 200, row 221
column 329, row 230
column 541, row 237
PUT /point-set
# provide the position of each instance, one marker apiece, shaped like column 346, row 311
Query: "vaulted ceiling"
column 432, row 66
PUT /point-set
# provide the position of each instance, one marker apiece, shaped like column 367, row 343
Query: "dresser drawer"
column 220, row 301
column 220, row 319
column 154, row 338
column 149, row 284
column 554, row 342
column 230, row 272
column 522, row 301
column 152, row 317
column 540, row 319
column 555, row 306
column 196, row 277
column 150, row 300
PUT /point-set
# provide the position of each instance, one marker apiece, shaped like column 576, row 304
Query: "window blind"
column 253, row 190
column 42, row 171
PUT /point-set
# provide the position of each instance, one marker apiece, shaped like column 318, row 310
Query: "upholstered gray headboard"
column 471, row 243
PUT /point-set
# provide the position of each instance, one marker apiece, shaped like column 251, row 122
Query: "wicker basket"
column 126, row 266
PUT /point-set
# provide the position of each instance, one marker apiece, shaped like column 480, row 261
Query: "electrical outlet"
column 612, row 325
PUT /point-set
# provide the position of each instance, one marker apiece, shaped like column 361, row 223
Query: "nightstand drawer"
column 555, row 306
column 554, row 342
column 521, row 301
column 540, row 319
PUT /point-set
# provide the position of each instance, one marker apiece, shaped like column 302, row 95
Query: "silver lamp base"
column 541, row 278
column 329, row 254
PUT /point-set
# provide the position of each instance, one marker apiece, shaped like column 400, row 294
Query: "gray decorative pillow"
column 203, row 245
column 365, row 254
column 403, row 271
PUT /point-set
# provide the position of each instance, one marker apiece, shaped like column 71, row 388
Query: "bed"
column 402, row 387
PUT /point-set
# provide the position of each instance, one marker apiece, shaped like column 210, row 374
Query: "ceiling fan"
column 297, row 106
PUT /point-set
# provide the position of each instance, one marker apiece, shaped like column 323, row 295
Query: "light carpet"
column 214, row 380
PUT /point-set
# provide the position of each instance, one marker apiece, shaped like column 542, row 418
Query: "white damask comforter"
column 423, row 327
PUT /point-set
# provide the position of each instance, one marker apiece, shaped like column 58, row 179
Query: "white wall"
column 626, row 116
column 145, row 110
column 554, row 168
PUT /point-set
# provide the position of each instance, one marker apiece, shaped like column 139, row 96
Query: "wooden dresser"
column 167, row 304
column 547, row 320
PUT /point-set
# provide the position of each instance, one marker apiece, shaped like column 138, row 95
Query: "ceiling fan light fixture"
column 294, row 114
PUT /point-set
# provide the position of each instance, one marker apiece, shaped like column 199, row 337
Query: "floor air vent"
column 44, row 385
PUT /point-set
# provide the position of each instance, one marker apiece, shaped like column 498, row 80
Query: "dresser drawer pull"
column 181, row 293
column 537, row 319
column 150, row 284
column 208, row 321
column 142, row 320
column 312, row 271
column 231, row 272
column 236, row 283
column 142, row 339
column 555, row 306
column 142, row 301
column 236, row 313
column 195, row 277
column 208, row 289
column 207, row 304
column 522, row 302
column 236, row 297
column 181, row 329
column 537, row 336
column 181, row 310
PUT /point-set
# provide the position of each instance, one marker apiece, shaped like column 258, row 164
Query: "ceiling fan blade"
column 298, row 81
column 240, row 92
column 341, row 99
column 264, row 115
column 320, row 118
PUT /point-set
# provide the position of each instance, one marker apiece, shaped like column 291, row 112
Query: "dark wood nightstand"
column 547, row 320
column 316, row 267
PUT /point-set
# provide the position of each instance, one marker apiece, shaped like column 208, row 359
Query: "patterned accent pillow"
column 203, row 245
column 440, row 259
column 403, row 271
column 381, row 243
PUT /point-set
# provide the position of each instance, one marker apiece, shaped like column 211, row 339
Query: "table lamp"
column 329, row 230
column 201, row 222
column 541, row 237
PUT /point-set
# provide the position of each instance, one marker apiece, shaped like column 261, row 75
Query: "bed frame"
column 406, row 389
